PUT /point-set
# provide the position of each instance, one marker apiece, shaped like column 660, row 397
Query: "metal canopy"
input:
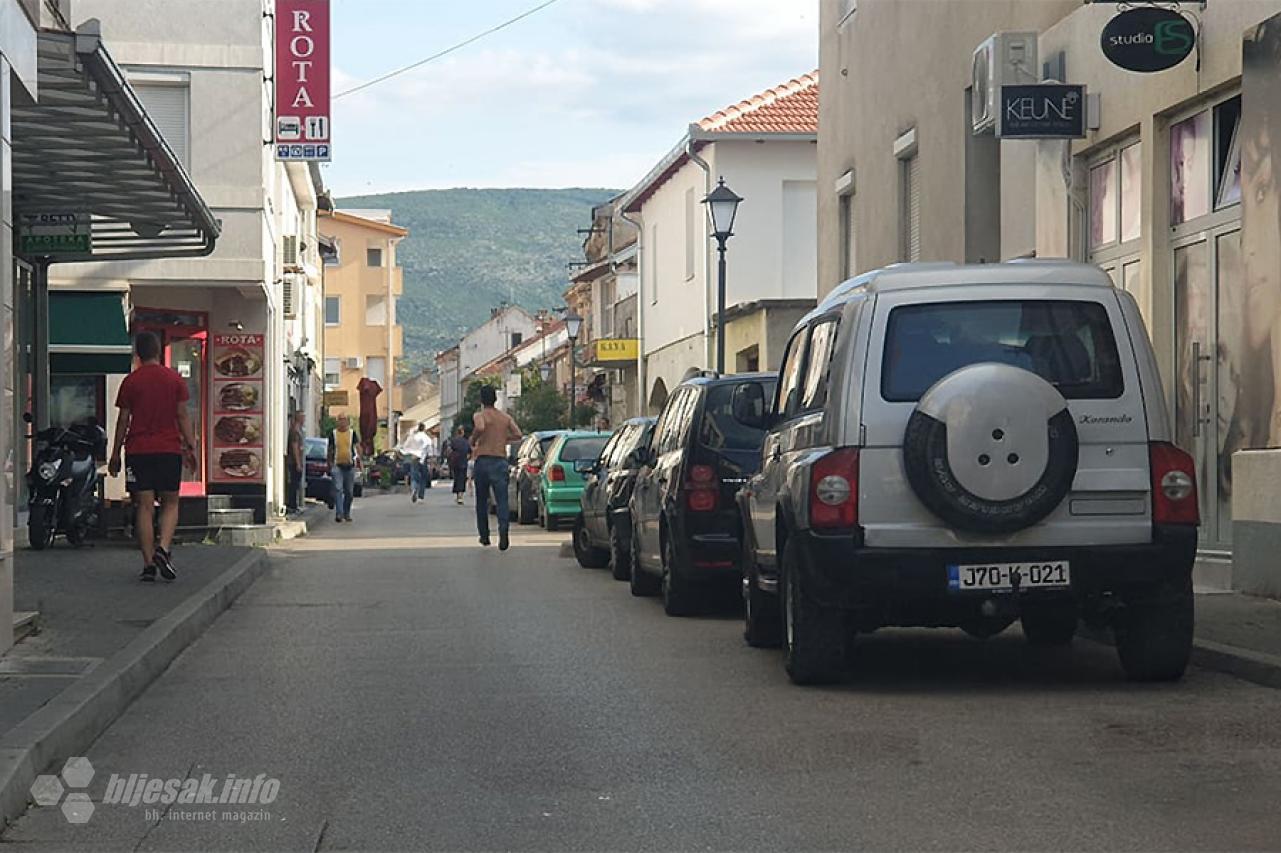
column 88, row 146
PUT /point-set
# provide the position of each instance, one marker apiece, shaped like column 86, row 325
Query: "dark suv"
column 527, row 464
column 603, row 533
column 686, row 529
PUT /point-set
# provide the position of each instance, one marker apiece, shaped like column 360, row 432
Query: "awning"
column 87, row 333
column 88, row 148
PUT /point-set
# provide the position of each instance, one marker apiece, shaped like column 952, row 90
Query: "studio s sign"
column 1148, row 39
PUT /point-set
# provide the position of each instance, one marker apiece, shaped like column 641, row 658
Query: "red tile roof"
column 788, row 108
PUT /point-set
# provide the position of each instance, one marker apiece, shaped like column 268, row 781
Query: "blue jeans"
column 344, row 489
column 490, row 473
column 418, row 478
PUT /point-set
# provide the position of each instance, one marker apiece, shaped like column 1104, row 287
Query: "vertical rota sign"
column 302, row 80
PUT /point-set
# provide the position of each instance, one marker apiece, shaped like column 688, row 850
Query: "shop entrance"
column 184, row 339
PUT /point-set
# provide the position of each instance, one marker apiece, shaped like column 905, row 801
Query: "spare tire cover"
column 991, row 448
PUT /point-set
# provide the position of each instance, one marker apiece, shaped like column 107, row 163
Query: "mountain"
column 469, row 250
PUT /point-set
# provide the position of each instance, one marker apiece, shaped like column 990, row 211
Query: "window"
column 582, row 448
column 1227, row 155
column 376, row 369
column 1069, row 344
column 653, row 265
column 1190, row 168
column 719, row 429
column 848, row 266
column 516, row 338
column 609, row 454
column 788, row 401
column 822, row 343
column 333, row 310
column 333, row 373
column 1131, row 194
column 77, row 400
column 376, row 310
column 373, row 257
column 662, row 433
column 691, row 232
column 169, row 105
column 910, row 228
column 1103, row 204
column 1116, row 197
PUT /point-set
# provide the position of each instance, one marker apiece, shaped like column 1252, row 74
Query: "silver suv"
column 966, row 446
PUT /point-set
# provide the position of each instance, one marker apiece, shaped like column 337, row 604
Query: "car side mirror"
column 748, row 406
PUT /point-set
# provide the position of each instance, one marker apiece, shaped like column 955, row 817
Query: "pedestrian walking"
column 154, row 429
column 457, row 454
column 419, row 448
column 344, row 460
column 491, row 434
column 295, row 465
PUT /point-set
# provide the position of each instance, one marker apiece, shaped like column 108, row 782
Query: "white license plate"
column 1002, row 576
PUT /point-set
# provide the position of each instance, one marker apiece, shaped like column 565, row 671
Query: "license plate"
column 1002, row 576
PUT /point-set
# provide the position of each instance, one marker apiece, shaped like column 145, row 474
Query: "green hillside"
column 468, row 250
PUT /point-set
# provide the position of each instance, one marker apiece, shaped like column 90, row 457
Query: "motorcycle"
column 64, row 484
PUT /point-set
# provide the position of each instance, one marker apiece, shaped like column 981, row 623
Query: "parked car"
column 967, row 446
column 560, row 482
column 603, row 533
column 320, row 482
column 686, row 528
column 526, row 464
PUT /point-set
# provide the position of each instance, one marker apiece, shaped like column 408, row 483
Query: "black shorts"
column 153, row 472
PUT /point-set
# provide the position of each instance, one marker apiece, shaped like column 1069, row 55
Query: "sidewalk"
column 1239, row 634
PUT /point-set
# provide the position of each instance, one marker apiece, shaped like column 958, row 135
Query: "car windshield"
column 582, row 448
column 720, row 430
column 317, row 448
column 1067, row 343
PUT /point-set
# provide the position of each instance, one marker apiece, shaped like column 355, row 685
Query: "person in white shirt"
column 420, row 448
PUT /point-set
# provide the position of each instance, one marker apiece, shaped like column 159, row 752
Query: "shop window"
column 375, row 310
column 77, row 400
column 1227, row 154
column 1190, row 168
column 333, row 310
column 1103, row 204
column 374, row 257
column 333, row 373
column 1116, row 197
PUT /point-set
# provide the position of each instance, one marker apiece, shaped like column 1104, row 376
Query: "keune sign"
column 1042, row 111
column 1148, row 39
column 302, row 80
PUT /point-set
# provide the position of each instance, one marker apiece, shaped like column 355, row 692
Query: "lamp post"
column 722, row 208
column 573, row 324
column 545, row 371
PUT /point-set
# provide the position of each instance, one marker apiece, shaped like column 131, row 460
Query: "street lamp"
column 573, row 324
column 722, row 208
column 545, row 370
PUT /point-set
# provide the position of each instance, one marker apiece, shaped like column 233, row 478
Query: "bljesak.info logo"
column 238, row 799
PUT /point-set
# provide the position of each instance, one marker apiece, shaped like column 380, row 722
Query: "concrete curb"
column 73, row 720
column 1246, row 664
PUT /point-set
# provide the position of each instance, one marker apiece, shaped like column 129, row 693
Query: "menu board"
column 237, row 439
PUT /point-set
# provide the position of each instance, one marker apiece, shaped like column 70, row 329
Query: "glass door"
column 185, row 351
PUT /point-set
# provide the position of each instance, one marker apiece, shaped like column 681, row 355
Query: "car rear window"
column 316, row 448
column 582, row 448
column 545, row 442
column 720, row 430
column 1067, row 343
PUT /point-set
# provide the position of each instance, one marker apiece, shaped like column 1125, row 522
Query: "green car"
column 561, row 480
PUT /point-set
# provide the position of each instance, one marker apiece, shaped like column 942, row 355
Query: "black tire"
column 78, row 534
column 526, row 509
column 550, row 521
column 930, row 475
column 1050, row 624
column 41, row 527
column 680, row 597
column 815, row 639
column 620, row 556
column 643, row 584
column 986, row 627
column 762, row 613
column 1154, row 631
column 589, row 557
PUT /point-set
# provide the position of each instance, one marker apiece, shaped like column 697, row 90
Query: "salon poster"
column 237, row 409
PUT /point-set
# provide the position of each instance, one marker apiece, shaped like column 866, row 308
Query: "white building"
column 765, row 149
column 507, row 327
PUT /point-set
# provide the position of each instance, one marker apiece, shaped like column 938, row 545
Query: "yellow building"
column 362, row 283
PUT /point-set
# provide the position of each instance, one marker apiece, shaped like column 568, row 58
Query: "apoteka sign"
column 1148, row 39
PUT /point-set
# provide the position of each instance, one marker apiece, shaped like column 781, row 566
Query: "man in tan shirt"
column 492, row 430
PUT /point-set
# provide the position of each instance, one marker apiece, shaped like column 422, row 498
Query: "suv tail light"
column 1174, row 497
column 531, row 468
column 834, row 490
column 701, row 489
column 556, row 474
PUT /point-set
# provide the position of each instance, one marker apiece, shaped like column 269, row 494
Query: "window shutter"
column 289, row 296
column 289, row 251
column 168, row 106
column 912, row 200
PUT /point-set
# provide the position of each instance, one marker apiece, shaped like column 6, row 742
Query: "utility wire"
column 504, row 25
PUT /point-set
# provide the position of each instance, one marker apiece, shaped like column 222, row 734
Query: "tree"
column 540, row 406
column 471, row 402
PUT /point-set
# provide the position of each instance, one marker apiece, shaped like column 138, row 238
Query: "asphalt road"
column 411, row 690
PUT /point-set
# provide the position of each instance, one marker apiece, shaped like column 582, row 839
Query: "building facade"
column 765, row 149
column 363, row 341
column 1171, row 191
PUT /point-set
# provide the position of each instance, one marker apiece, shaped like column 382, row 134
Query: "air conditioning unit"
column 290, row 286
column 354, row 362
column 289, row 251
column 1003, row 59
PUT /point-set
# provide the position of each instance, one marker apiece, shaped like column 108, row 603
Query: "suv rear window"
column 582, row 448
column 720, row 430
column 1067, row 343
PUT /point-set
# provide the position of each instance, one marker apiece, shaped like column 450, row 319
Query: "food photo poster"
column 238, row 409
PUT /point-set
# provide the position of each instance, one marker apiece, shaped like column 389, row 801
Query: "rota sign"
column 302, row 80
column 1148, row 39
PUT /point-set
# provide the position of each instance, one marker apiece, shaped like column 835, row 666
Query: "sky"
column 586, row 93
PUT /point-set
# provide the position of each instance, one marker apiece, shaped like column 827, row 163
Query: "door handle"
column 1197, row 358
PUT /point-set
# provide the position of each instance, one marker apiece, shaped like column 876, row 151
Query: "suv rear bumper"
column 843, row 573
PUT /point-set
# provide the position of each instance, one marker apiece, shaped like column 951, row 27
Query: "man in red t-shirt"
column 154, row 428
